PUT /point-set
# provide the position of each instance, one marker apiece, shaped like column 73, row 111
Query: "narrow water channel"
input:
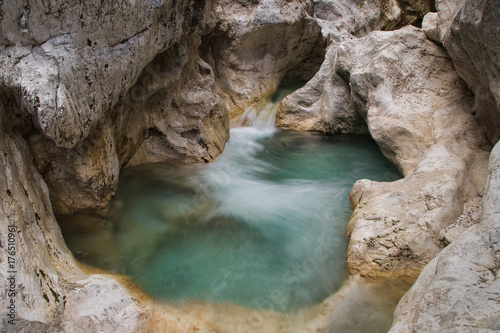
column 262, row 227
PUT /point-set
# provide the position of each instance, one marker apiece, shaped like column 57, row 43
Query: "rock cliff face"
column 459, row 291
column 51, row 292
column 115, row 87
column 87, row 88
column 249, row 58
column 417, row 109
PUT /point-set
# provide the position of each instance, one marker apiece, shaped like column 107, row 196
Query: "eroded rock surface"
column 398, row 13
column 459, row 291
column 417, row 109
column 44, row 276
column 473, row 42
column 435, row 24
column 257, row 43
column 324, row 103
column 405, row 90
column 102, row 100
column 469, row 31
column 90, row 87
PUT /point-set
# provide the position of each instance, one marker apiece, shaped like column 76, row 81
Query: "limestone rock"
column 324, row 104
column 248, row 57
column 435, row 24
column 469, row 217
column 73, row 61
column 417, row 109
column 473, row 42
column 469, row 32
column 340, row 20
column 46, row 280
column 459, row 291
column 398, row 13
column 100, row 304
column 162, row 104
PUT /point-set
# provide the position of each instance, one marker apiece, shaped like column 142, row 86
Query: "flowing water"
column 263, row 226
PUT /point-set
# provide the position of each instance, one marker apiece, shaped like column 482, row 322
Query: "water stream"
column 262, row 227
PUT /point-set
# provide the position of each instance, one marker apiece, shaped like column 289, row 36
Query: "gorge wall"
column 88, row 88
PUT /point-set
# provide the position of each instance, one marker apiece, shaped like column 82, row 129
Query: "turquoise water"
column 263, row 226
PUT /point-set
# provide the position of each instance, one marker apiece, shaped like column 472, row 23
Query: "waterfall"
column 261, row 115
column 263, row 226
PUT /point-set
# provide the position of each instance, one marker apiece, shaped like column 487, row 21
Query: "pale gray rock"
column 459, row 291
column 469, row 31
column 435, row 24
column 160, row 104
column 68, row 63
column 340, row 20
column 256, row 44
column 469, row 217
column 85, row 86
column 473, row 42
column 324, row 103
column 100, row 304
column 417, row 110
column 46, row 280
